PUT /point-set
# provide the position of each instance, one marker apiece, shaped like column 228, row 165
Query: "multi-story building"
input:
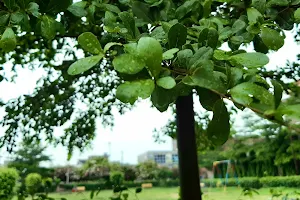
column 161, row 158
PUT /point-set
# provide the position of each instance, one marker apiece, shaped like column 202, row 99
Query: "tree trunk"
column 187, row 150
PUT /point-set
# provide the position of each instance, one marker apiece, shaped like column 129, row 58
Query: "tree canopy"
column 157, row 49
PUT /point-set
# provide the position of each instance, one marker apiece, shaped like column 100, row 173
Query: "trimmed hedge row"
column 251, row 182
column 130, row 184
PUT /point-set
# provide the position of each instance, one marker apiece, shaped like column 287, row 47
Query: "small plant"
column 117, row 178
column 33, row 183
column 8, row 180
column 248, row 192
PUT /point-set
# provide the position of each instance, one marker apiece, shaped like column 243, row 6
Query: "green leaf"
column 58, row 5
column 131, row 48
column 177, row 36
column 17, row 17
column 111, row 44
column 185, row 8
column 9, row 4
column 33, row 8
column 162, row 98
column 251, row 60
column 128, row 64
column 92, row 194
column 128, row 22
column 142, row 11
column 285, row 19
column 253, row 15
column 168, row 55
column 237, row 40
column 238, row 26
column 207, row 8
column 129, row 92
column 84, row 64
column 272, row 38
column 78, row 9
column 297, row 15
column 221, row 55
column 278, row 3
column 8, row 40
column 207, row 98
column 260, row 5
column 291, row 111
column 154, row 2
column 111, row 8
column 205, row 77
column 278, row 90
column 183, row 57
column 218, row 129
column 259, row 45
column 203, row 36
column 212, row 38
column 150, row 50
column 89, row 42
column 249, row 93
column 254, row 28
column 225, row 33
column 48, row 27
column 4, row 16
column 167, row 82
column 234, row 76
column 202, row 54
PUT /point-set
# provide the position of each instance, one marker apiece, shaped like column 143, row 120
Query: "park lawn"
column 230, row 193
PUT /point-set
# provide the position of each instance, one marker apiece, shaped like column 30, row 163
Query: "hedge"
column 130, row 184
column 251, row 182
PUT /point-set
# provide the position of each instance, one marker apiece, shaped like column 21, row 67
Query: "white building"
column 162, row 158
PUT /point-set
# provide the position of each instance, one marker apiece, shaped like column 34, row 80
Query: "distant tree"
column 27, row 159
column 146, row 170
column 96, row 168
column 130, row 172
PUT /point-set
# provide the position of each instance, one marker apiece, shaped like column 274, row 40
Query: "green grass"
column 230, row 193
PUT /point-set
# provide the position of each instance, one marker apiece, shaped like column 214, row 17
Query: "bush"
column 250, row 182
column 33, row 183
column 8, row 180
column 281, row 181
column 116, row 177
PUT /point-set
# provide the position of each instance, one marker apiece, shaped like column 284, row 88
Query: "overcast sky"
column 133, row 132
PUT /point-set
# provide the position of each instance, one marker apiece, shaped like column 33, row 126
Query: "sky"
column 133, row 131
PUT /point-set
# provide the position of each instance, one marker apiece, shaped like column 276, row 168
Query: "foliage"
column 27, row 159
column 90, row 186
column 8, row 181
column 151, row 49
column 165, row 173
column 146, row 170
column 33, row 183
column 130, row 173
column 264, row 149
column 117, row 178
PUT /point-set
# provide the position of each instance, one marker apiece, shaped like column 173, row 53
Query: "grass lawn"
column 231, row 193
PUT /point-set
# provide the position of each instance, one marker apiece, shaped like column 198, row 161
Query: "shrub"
column 8, row 180
column 281, row 181
column 250, row 182
column 164, row 173
column 117, row 177
column 33, row 183
column 47, row 185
